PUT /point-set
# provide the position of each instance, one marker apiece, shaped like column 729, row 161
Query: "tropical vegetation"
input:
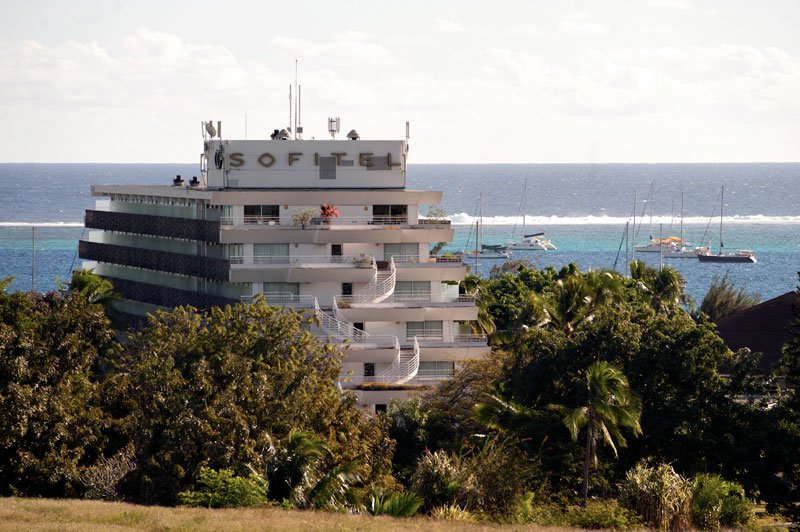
column 606, row 401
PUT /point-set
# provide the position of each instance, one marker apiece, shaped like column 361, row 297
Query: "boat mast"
column 721, row 208
column 682, row 243
column 33, row 259
column 633, row 240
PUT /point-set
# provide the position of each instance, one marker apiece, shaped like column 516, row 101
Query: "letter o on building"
column 266, row 160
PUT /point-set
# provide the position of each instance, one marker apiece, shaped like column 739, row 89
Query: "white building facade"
column 259, row 223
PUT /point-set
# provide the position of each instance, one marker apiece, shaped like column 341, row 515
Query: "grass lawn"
column 86, row 516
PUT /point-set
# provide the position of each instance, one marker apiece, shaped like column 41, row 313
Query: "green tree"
column 724, row 298
column 214, row 389
column 663, row 288
column 609, row 406
column 786, row 424
column 50, row 425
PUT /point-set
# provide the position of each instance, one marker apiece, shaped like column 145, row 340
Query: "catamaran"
column 531, row 242
column 483, row 251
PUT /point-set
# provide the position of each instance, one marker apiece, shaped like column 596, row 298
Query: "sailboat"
column 743, row 255
column 531, row 242
column 680, row 249
column 483, row 251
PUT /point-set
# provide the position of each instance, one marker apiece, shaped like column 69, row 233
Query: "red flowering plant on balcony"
column 328, row 211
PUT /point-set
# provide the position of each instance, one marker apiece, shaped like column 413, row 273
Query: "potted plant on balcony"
column 328, row 211
column 302, row 217
column 362, row 260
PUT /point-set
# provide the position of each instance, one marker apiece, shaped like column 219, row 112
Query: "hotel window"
column 281, row 292
column 234, row 252
column 436, row 369
column 401, row 252
column 424, row 330
column 390, row 214
column 369, row 369
column 412, row 290
column 262, row 214
column 270, row 253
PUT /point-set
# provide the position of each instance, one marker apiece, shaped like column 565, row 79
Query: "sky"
column 573, row 81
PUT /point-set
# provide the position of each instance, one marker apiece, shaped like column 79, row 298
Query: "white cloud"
column 448, row 26
column 672, row 4
column 343, row 48
column 581, row 23
column 527, row 29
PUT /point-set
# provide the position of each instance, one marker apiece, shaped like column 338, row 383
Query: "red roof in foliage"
column 763, row 328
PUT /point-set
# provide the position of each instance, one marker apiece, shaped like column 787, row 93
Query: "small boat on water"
column 483, row 251
column 740, row 256
column 673, row 247
column 531, row 242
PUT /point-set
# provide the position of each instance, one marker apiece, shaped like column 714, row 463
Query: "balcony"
column 302, row 268
column 283, row 299
column 162, row 226
column 410, row 300
column 162, row 261
column 304, row 261
column 402, row 307
column 406, row 261
column 319, row 222
column 166, row 296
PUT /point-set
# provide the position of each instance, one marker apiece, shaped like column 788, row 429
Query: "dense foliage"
column 188, row 391
column 239, row 405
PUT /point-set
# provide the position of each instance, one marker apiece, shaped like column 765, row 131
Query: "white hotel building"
column 252, row 225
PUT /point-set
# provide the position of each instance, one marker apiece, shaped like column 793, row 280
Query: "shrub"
column 101, row 479
column 395, row 504
column 453, row 512
column 717, row 502
column 439, row 479
column 500, row 473
column 546, row 514
column 660, row 495
column 222, row 489
column 603, row 514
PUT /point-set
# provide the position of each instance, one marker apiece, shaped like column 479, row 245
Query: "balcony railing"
column 416, row 297
column 359, row 261
column 157, row 260
column 433, row 259
column 470, row 339
column 322, row 223
column 145, row 224
column 283, row 299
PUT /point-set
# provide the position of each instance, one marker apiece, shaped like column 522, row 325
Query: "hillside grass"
column 67, row 515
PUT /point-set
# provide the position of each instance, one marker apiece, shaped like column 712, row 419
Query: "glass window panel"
column 282, row 288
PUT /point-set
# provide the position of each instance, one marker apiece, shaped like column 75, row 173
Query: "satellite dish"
column 210, row 129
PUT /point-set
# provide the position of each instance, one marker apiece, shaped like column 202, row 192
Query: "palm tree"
column 578, row 297
column 473, row 285
column 609, row 406
column 664, row 288
column 93, row 287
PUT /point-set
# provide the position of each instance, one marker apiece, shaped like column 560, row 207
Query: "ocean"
column 582, row 208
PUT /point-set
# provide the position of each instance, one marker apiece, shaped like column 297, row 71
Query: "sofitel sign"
column 266, row 159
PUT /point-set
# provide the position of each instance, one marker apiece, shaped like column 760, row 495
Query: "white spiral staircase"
column 403, row 368
column 379, row 288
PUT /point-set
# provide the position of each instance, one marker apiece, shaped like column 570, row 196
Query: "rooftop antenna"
column 245, row 126
column 333, row 126
column 289, row 128
column 297, row 101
